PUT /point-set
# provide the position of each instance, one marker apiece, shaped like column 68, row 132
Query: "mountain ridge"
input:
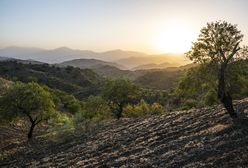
column 129, row 59
column 89, row 63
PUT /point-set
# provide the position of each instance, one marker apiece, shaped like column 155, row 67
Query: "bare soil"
column 204, row 137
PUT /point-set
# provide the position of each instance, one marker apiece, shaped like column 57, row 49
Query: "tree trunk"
column 119, row 112
column 31, row 129
column 223, row 94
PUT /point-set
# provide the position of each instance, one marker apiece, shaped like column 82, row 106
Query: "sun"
column 174, row 38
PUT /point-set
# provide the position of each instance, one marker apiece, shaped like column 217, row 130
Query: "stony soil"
column 204, row 137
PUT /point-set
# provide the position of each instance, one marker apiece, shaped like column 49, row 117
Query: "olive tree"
column 219, row 43
column 27, row 100
column 118, row 94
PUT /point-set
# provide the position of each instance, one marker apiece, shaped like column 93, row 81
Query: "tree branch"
column 38, row 121
column 29, row 116
column 222, row 55
column 235, row 50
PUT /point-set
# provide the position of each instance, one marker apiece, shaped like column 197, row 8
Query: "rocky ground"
column 204, row 137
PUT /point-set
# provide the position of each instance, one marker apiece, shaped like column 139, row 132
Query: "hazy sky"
column 141, row 25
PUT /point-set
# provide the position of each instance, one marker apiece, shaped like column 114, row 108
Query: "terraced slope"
column 195, row 138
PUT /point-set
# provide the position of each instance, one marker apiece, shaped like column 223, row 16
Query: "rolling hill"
column 149, row 78
column 115, row 73
column 173, row 59
column 161, row 79
column 156, row 66
column 79, row 82
column 205, row 137
column 89, row 63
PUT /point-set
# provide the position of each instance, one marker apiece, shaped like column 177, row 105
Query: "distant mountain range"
column 156, row 66
column 89, row 63
column 173, row 59
column 118, row 58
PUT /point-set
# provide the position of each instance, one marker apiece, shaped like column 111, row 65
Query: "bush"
column 188, row 104
column 71, row 104
column 156, row 109
column 210, row 98
column 142, row 109
column 95, row 107
column 63, row 126
column 64, row 131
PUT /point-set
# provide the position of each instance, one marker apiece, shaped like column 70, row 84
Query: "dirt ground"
column 204, row 137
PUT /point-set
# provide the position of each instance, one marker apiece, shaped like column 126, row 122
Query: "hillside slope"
column 155, row 66
column 79, row 82
column 196, row 138
column 89, row 63
column 160, row 79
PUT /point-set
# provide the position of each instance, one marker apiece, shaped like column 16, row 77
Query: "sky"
column 151, row 26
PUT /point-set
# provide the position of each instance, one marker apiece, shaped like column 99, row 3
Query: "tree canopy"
column 119, row 93
column 219, row 43
column 29, row 100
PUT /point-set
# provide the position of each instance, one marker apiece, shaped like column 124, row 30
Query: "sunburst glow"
column 175, row 38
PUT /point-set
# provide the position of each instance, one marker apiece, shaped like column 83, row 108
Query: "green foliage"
column 154, row 95
column 200, row 84
column 56, row 94
column 210, row 98
column 142, row 109
column 119, row 93
column 156, row 109
column 71, row 103
column 217, row 42
column 236, row 78
column 31, row 79
column 95, row 107
column 159, row 79
column 65, row 127
column 244, row 87
column 197, row 82
column 4, row 86
column 188, row 104
column 79, row 82
column 27, row 100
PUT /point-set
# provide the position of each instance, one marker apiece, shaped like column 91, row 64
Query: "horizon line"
column 109, row 50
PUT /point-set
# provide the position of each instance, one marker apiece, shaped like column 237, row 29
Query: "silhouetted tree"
column 218, row 42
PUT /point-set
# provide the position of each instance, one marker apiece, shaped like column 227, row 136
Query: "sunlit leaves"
column 217, row 42
column 27, row 100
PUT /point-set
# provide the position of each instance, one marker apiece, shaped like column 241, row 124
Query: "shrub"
column 95, row 107
column 142, row 109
